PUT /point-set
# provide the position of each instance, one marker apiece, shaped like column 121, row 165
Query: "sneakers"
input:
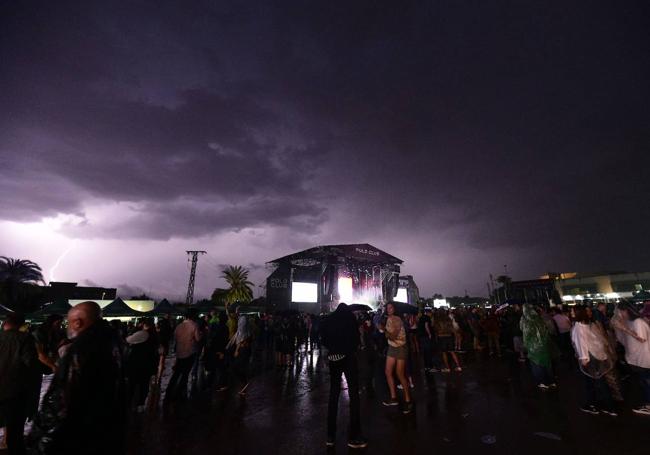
column 331, row 442
column 358, row 443
column 408, row 408
column 590, row 410
column 459, row 369
column 609, row 412
column 445, row 370
column 399, row 386
column 542, row 386
column 643, row 410
column 391, row 402
column 553, row 386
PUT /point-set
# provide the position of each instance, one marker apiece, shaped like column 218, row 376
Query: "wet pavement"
column 492, row 407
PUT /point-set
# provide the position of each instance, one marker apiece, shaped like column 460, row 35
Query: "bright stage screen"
column 345, row 290
column 304, row 292
column 401, row 296
column 440, row 303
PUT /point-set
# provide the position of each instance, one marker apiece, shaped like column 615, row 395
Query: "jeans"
column 427, row 352
column 494, row 342
column 597, row 393
column 542, row 374
column 565, row 342
column 15, row 421
column 644, row 378
column 138, row 388
column 178, row 381
column 241, row 365
column 348, row 367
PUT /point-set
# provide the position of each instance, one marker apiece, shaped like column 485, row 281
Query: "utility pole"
column 190, row 286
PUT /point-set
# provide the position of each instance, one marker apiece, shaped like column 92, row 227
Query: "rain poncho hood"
column 537, row 339
column 243, row 332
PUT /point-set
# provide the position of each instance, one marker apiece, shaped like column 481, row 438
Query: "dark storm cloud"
column 189, row 218
column 511, row 125
column 127, row 291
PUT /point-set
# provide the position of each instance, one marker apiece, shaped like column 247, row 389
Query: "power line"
column 190, row 286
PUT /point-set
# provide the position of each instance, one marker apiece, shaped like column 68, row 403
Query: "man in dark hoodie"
column 340, row 335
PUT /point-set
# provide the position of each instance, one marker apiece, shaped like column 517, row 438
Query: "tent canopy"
column 118, row 308
column 164, row 307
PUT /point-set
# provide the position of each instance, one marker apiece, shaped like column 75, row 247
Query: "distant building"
column 457, row 301
column 608, row 287
column 71, row 291
column 528, row 291
column 575, row 287
column 34, row 296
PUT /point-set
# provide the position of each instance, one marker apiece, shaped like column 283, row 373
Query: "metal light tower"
column 190, row 286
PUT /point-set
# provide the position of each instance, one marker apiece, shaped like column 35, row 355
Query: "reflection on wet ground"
column 491, row 407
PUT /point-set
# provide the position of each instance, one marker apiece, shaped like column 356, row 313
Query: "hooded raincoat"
column 537, row 339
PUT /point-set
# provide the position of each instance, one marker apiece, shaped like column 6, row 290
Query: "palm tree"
column 17, row 272
column 241, row 290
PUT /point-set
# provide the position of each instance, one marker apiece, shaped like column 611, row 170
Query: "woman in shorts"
column 444, row 329
column 396, row 357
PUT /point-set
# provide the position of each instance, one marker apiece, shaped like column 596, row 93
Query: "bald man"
column 83, row 411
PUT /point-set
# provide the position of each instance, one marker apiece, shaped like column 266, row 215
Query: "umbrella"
column 502, row 307
column 405, row 308
column 359, row 307
column 4, row 310
column 641, row 296
column 287, row 313
column 59, row 306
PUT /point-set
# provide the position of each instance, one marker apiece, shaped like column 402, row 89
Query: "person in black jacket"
column 215, row 353
column 340, row 335
column 20, row 381
column 141, row 363
column 83, row 410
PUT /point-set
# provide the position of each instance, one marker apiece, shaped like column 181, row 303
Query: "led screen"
column 401, row 296
column 304, row 292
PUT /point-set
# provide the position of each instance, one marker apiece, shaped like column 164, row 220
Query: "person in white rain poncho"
column 591, row 348
column 241, row 342
column 633, row 332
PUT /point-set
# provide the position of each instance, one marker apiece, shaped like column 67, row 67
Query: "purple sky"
column 458, row 136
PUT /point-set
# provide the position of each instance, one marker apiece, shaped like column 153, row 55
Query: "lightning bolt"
column 59, row 259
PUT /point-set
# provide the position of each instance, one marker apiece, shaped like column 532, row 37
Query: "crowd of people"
column 101, row 371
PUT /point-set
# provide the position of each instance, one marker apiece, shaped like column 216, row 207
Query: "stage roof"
column 362, row 252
